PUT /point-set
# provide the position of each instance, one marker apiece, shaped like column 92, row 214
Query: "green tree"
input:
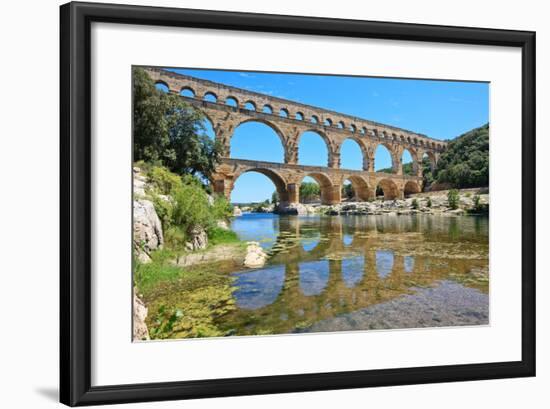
column 453, row 198
column 347, row 191
column 169, row 132
column 465, row 163
column 309, row 191
column 275, row 198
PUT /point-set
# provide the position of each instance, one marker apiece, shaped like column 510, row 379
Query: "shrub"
column 191, row 208
column 429, row 202
column 415, row 203
column 163, row 181
column 221, row 209
column 453, row 198
column 217, row 235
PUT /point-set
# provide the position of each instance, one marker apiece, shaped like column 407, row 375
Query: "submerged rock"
column 255, row 255
column 292, row 209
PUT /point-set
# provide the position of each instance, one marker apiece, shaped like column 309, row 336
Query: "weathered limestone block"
column 140, row 331
column 198, row 239
column 255, row 255
column 148, row 234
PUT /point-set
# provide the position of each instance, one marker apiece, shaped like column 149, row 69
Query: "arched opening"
column 257, row 141
column 428, row 160
column 353, row 269
column 267, row 109
column 283, row 113
column 162, row 87
column 314, row 119
column 408, row 164
column 299, row 116
column 310, row 191
column 258, row 186
column 328, row 122
column 352, row 128
column 383, row 160
column 232, row 102
column 187, row 92
column 312, row 149
column 410, row 188
column 323, row 190
column 355, row 188
column 388, row 189
column 351, row 155
column 363, row 131
column 210, row 97
column 341, row 125
column 250, row 106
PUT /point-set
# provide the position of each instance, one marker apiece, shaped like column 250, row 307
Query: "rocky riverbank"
column 426, row 203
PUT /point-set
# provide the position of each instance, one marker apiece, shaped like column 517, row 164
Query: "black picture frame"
column 76, row 199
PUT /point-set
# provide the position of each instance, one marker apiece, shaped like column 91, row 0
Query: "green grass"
column 218, row 235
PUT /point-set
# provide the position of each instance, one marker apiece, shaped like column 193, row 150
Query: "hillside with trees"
column 465, row 163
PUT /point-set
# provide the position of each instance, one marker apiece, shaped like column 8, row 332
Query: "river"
column 335, row 273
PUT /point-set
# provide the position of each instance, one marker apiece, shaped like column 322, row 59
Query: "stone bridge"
column 227, row 107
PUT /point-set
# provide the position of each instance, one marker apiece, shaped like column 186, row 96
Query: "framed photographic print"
column 262, row 204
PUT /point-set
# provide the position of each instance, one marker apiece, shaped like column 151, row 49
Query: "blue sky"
column 439, row 109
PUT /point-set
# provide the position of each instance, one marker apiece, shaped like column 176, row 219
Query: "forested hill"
column 465, row 163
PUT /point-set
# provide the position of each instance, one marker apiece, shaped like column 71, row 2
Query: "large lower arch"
column 411, row 187
column 361, row 187
column 389, row 188
column 278, row 181
column 330, row 194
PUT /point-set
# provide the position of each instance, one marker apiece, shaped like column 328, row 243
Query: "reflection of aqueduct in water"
column 345, row 269
column 290, row 120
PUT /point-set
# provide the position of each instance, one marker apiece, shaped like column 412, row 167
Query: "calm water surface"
column 361, row 272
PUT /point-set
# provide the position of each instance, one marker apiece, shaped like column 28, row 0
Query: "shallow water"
column 322, row 270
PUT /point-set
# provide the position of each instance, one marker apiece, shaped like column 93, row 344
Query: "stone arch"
column 162, row 86
column 267, row 109
column 391, row 151
column 250, row 106
column 389, row 188
column 362, row 148
column 360, row 186
column 283, row 113
column 268, row 123
column 353, row 128
column 231, row 101
column 299, row 116
column 327, row 188
column 210, row 96
column 277, row 179
column 341, row 125
column 411, row 187
column 187, row 89
column 314, row 119
column 322, row 135
column 431, row 157
column 414, row 161
column 327, row 122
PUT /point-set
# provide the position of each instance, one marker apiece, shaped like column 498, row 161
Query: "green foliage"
column 221, row 209
column 465, row 163
column 347, row 191
column 217, row 235
column 309, row 191
column 182, row 204
column 429, row 202
column 453, row 198
column 479, row 208
column 169, row 132
column 414, row 203
column 275, row 198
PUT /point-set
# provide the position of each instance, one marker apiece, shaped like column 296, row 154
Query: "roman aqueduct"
column 227, row 107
